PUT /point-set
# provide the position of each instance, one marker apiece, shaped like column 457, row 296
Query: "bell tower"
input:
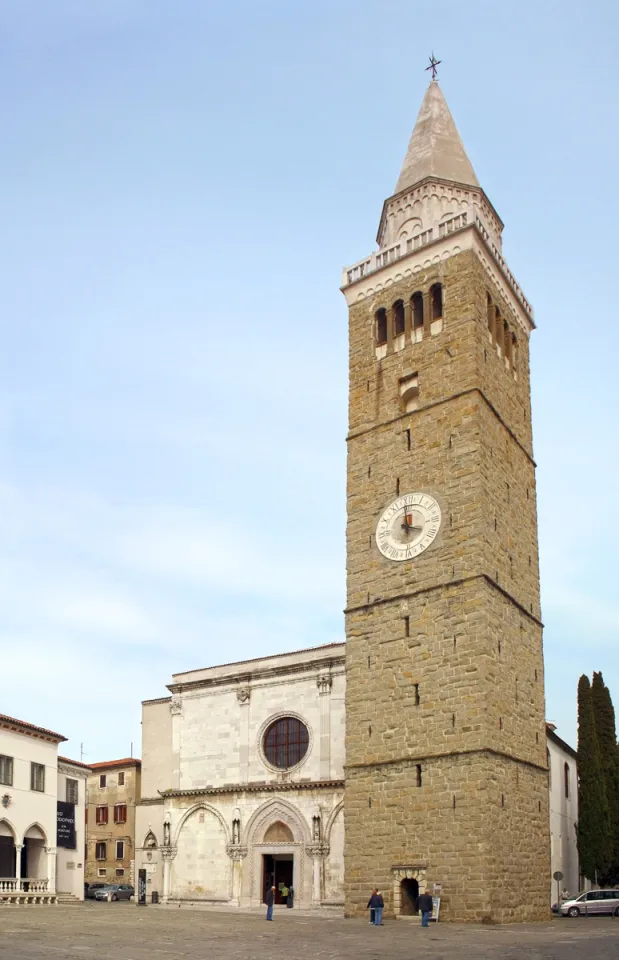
column 446, row 777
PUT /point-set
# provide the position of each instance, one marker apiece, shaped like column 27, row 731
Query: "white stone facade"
column 563, row 787
column 70, row 861
column 32, row 780
column 217, row 818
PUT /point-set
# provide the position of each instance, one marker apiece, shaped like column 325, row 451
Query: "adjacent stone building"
column 242, row 782
column 113, row 792
column 446, row 774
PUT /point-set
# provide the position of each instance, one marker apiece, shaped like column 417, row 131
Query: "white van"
column 592, row 903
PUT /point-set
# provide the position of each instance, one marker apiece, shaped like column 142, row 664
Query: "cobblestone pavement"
column 120, row 931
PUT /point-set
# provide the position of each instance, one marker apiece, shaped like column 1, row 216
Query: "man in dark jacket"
column 270, row 902
column 376, row 904
column 424, row 903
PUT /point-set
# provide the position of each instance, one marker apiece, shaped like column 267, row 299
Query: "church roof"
column 435, row 148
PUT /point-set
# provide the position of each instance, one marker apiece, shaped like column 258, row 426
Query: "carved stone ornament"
column 168, row 853
column 317, row 850
column 236, row 851
column 243, row 694
column 176, row 706
column 324, row 684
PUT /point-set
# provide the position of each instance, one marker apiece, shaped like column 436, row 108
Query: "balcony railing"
column 22, row 885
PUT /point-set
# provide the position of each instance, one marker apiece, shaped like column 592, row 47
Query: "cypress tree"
column 593, row 820
column 604, row 716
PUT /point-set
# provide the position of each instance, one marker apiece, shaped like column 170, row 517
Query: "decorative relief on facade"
column 236, row 851
column 169, row 853
column 176, row 706
column 317, row 850
column 324, row 684
column 243, row 694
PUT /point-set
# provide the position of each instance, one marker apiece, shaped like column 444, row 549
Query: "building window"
column 101, row 872
column 120, row 813
column 6, row 770
column 120, row 872
column 120, row 849
column 102, row 781
column 417, row 305
column 566, row 777
column 381, row 326
column 436, row 301
column 37, row 777
column 101, row 815
column 121, row 779
column 398, row 318
column 72, row 791
column 101, row 850
column 286, row 742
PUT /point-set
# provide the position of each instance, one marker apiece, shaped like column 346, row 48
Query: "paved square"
column 122, row 931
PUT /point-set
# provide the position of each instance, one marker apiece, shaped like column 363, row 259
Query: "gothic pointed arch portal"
column 200, row 869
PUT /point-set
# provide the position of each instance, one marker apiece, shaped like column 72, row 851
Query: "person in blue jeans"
column 270, row 900
column 424, row 904
column 376, row 905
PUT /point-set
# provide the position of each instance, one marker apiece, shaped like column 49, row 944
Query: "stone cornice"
column 264, row 787
column 149, row 802
column 437, row 403
column 242, row 681
column 447, row 755
column 445, row 585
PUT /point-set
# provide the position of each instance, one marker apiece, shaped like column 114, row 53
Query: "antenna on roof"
column 131, row 754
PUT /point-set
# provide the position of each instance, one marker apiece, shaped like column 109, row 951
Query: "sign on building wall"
column 65, row 825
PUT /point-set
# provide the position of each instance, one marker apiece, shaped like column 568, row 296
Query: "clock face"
column 408, row 526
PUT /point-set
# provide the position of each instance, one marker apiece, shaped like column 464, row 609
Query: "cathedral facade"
column 243, row 782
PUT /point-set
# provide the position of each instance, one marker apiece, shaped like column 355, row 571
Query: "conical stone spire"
column 435, row 148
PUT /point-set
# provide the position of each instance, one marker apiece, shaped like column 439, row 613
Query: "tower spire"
column 435, row 148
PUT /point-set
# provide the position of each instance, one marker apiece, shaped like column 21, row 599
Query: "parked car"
column 91, row 888
column 592, row 903
column 115, row 891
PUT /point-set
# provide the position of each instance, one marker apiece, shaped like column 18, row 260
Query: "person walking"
column 284, row 892
column 270, row 902
column 290, row 900
column 424, row 903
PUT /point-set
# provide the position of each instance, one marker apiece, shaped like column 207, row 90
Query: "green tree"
column 604, row 716
column 593, row 820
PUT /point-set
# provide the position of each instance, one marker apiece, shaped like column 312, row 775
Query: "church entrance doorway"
column 277, row 871
column 409, row 890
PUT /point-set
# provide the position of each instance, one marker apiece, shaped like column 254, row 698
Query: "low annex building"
column 243, row 782
column 42, row 815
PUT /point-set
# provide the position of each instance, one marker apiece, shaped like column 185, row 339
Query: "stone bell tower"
column 446, row 778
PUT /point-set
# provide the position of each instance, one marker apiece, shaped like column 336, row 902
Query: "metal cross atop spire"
column 433, row 65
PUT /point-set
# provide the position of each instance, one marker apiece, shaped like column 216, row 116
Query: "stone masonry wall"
column 445, row 744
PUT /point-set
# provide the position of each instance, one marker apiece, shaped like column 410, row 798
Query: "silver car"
column 591, row 903
column 115, row 891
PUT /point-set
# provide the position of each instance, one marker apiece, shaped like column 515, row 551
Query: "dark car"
column 91, row 888
column 115, row 891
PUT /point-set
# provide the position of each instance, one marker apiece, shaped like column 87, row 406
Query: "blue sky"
column 180, row 185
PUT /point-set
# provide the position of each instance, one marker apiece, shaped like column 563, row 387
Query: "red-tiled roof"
column 11, row 721
column 237, row 663
column 74, row 763
column 125, row 762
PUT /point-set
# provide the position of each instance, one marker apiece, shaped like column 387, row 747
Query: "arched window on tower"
column 417, row 310
column 515, row 355
column 381, row 326
column 507, row 340
column 499, row 327
column 436, row 301
column 566, row 778
column 490, row 312
column 398, row 318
